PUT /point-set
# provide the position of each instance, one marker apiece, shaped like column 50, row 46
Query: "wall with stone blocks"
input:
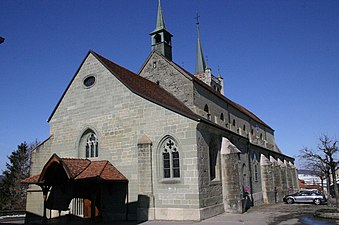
column 119, row 118
column 169, row 77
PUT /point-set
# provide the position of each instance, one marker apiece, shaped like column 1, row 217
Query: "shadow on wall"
column 143, row 208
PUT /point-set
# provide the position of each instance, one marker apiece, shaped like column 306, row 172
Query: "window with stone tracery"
column 170, row 156
column 92, row 146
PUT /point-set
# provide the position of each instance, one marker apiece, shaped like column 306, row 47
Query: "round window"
column 89, row 81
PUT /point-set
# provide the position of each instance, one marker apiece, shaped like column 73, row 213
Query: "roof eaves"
column 224, row 98
column 177, row 67
column 43, row 142
column 147, row 59
column 57, row 105
column 188, row 114
column 206, row 121
column 234, row 104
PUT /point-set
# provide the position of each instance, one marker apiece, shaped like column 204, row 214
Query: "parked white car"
column 306, row 196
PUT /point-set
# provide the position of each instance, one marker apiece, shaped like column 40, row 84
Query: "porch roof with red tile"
column 79, row 170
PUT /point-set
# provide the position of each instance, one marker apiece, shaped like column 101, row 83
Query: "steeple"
column 161, row 38
column 160, row 19
column 200, row 65
column 202, row 70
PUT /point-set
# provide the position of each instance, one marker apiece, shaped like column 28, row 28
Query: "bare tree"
column 325, row 160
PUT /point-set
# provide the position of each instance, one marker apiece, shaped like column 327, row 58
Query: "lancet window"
column 171, row 162
column 92, row 146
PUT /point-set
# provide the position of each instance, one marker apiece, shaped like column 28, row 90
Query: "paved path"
column 279, row 214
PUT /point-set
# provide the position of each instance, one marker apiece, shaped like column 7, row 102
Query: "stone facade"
column 194, row 159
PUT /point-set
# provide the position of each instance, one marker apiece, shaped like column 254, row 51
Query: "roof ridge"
column 223, row 97
column 177, row 107
column 80, row 172
column 103, row 168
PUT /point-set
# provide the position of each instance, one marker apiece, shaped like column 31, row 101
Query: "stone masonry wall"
column 40, row 156
column 119, row 118
column 210, row 190
column 242, row 124
column 158, row 70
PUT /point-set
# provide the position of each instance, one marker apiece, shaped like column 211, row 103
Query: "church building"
column 162, row 144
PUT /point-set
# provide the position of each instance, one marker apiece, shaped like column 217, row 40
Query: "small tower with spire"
column 202, row 70
column 200, row 65
column 161, row 38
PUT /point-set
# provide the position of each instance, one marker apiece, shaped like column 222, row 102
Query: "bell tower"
column 161, row 38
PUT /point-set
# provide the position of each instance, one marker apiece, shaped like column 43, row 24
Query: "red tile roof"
column 31, row 180
column 139, row 86
column 80, row 169
column 76, row 166
column 154, row 93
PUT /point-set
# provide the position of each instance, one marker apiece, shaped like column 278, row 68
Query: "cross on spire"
column 200, row 64
column 197, row 18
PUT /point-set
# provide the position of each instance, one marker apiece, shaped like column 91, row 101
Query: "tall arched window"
column 170, row 159
column 222, row 117
column 92, row 146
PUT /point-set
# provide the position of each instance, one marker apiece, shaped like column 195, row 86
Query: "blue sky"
column 279, row 59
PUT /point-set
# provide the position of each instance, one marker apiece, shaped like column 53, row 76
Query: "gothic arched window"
column 92, row 146
column 170, row 157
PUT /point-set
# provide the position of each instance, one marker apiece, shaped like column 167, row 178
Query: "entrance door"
column 87, row 209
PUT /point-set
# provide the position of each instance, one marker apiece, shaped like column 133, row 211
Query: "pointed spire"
column 161, row 38
column 200, row 64
column 160, row 19
column 219, row 76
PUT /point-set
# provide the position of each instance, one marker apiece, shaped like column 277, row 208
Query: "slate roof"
column 80, row 169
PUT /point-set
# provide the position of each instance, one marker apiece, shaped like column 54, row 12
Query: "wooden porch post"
column 45, row 189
